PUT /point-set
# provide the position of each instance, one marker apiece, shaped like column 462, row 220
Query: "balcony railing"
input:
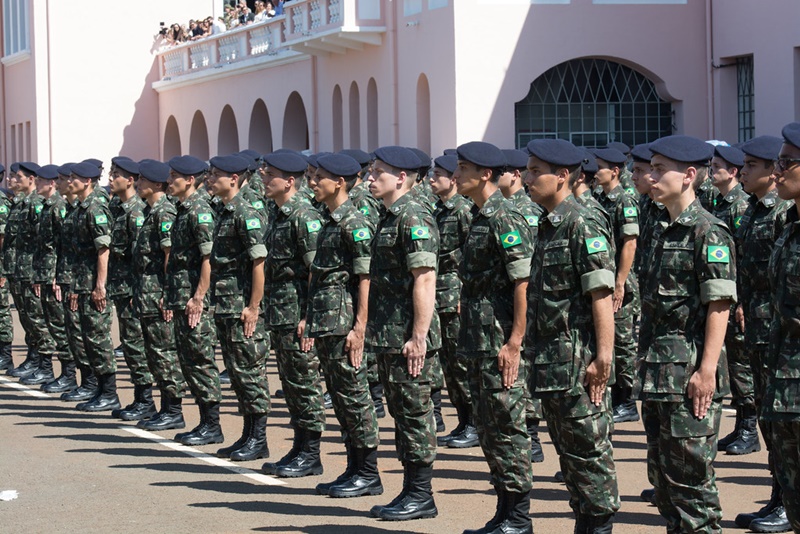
column 307, row 27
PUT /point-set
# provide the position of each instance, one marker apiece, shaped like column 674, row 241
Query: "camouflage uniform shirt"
column 192, row 237
column 148, row 253
column 128, row 219
column 91, row 232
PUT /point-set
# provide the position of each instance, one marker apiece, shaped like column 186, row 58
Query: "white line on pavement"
column 207, row 458
column 24, row 389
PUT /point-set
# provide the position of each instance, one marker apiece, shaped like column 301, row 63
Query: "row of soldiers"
column 524, row 304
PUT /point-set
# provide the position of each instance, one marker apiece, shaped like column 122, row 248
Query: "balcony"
column 307, row 28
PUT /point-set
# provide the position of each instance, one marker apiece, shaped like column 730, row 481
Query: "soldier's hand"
column 57, row 291
column 702, row 385
column 597, row 375
column 37, row 290
column 99, row 298
column 740, row 317
column 618, row 296
column 354, row 345
column 73, row 302
column 194, row 311
column 306, row 343
column 508, row 363
column 414, row 351
column 249, row 317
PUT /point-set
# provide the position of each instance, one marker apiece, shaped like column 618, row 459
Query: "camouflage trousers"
column 72, row 325
column 455, row 367
column 409, row 401
column 349, row 391
column 130, row 337
column 246, row 362
column 760, row 372
column 499, row 416
column 625, row 347
column 680, row 455
column 162, row 355
column 6, row 321
column 371, row 361
column 739, row 370
column 300, row 378
column 31, row 316
column 196, row 356
column 54, row 319
column 96, row 331
column 786, row 436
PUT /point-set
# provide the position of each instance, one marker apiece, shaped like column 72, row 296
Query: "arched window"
column 592, row 102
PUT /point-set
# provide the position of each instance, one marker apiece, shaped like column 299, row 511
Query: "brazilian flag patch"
column 205, row 218
column 364, row 210
column 737, row 222
column 39, row 209
column 533, row 220
column 420, row 232
column 596, row 244
column 3, row 209
column 166, row 226
column 63, row 212
column 313, row 226
column 258, row 205
column 100, row 219
column 631, row 191
column 253, row 224
column 630, row 212
column 510, row 239
column 719, row 254
column 362, row 234
column 139, row 221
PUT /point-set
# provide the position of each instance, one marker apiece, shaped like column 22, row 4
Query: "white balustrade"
column 298, row 24
column 230, row 47
column 334, row 11
column 173, row 63
column 260, row 40
column 200, row 55
column 315, row 14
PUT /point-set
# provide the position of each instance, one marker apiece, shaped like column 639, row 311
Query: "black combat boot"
column 349, row 471
column 88, row 388
column 65, row 382
column 376, row 392
column 537, row 454
column 436, row 399
column 747, row 442
column 467, row 438
column 170, row 416
column 517, row 518
column 376, row 510
column 456, row 432
column 255, row 446
column 6, row 359
column 723, row 443
column 365, row 481
column 626, row 411
column 418, row 502
column 143, row 406
column 648, row 495
column 594, row 524
column 209, row 430
column 224, row 378
column 327, row 401
column 225, row 452
column 43, row 374
column 107, row 400
column 269, row 468
column 776, row 521
column 180, row 435
column 307, row 461
column 27, row 367
column 499, row 514
column 775, row 502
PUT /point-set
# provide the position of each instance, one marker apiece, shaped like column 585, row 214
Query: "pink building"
column 78, row 81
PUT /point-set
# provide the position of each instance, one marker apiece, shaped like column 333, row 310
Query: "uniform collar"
column 689, row 215
column 292, row 204
column 400, row 202
column 733, row 194
column 492, row 204
column 338, row 214
column 770, row 199
column 615, row 193
column 556, row 217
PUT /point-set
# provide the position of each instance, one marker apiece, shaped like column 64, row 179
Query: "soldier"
column 188, row 281
column 6, row 322
column 580, row 184
column 237, row 282
column 649, row 210
column 494, row 272
column 781, row 403
column 688, row 290
column 128, row 219
column 453, row 216
column 87, row 291
column 625, row 175
column 761, row 226
column 403, row 328
column 291, row 245
column 151, row 252
column 570, row 308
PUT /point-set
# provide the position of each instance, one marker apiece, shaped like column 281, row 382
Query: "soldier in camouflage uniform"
column 188, row 281
column 237, row 282
column 625, row 175
column 761, row 225
column 688, row 291
column 403, row 328
column 580, row 185
column 6, row 322
column 569, row 338
column 337, row 318
column 291, row 245
column 91, row 237
column 151, row 251
column 494, row 271
column 781, row 402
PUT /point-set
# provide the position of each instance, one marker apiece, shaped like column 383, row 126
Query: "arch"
column 355, row 116
column 338, row 119
column 295, row 123
column 591, row 102
column 372, row 115
column 260, row 135
column 423, row 114
column 198, row 137
column 228, row 140
column 172, row 139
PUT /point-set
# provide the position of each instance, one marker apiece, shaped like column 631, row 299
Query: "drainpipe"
column 709, row 74
column 314, row 137
column 394, row 27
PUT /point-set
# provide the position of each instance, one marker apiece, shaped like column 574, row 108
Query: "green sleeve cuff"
column 417, row 260
column 361, row 265
column 308, row 257
column 205, row 248
column 630, row 230
column 717, row 289
column 257, row 252
column 165, row 243
column 2, row 228
column 599, row 279
column 104, row 241
column 519, row 269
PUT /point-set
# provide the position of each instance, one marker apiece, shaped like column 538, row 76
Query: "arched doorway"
column 198, row 137
column 423, row 114
column 338, row 125
column 372, row 115
column 355, row 116
column 592, row 102
column 260, row 136
column 295, row 123
column 172, row 139
column 228, row 141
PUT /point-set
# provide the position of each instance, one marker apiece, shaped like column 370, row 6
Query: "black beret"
column 311, row 159
column 94, row 161
column 65, row 169
column 610, row 155
column 359, row 155
column 556, row 152
column 398, row 157
column 590, row 163
column 126, row 164
column 29, row 167
column 286, row 151
column 791, row 133
column 48, row 172
column 14, row 167
column 339, row 164
column 482, row 154
column 6, row 191
column 153, row 170
column 448, row 162
column 516, row 159
column 230, row 164
column 622, row 147
column 731, row 154
column 290, row 162
column 252, row 162
column 85, row 170
column 450, row 152
column 2, row 168
column 187, row 165
column 424, row 158
column 642, row 153
column 766, row 147
column 683, row 148
column 250, row 153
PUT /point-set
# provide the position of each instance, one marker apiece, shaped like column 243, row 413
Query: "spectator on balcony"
column 279, row 8
column 230, row 17
column 218, row 26
column 264, row 11
column 245, row 15
column 202, row 29
column 175, row 35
